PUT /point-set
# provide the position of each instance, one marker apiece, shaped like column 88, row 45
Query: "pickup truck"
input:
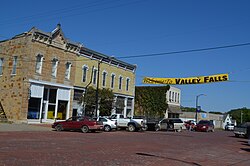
column 132, row 124
column 242, row 130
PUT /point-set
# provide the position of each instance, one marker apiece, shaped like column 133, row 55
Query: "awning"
column 174, row 109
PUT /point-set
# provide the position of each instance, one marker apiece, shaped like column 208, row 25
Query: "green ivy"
column 151, row 101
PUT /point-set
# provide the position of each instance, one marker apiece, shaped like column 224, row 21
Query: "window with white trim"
column 54, row 67
column 39, row 62
column 170, row 96
column 104, row 77
column 94, row 76
column 1, row 66
column 68, row 69
column 14, row 65
column 112, row 84
column 120, row 82
column 127, row 84
column 84, row 73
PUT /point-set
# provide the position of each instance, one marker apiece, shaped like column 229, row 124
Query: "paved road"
column 122, row 148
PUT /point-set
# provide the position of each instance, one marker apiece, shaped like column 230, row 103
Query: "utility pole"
column 196, row 106
column 97, row 89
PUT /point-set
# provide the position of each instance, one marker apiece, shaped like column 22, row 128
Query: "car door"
column 164, row 124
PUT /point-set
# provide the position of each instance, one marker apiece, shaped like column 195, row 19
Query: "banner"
column 188, row 80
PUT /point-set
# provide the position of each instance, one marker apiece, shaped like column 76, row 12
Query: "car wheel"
column 59, row 127
column 237, row 135
column 131, row 127
column 179, row 130
column 157, row 128
column 85, row 129
column 171, row 126
column 107, row 128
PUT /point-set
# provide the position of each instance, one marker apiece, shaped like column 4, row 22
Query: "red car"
column 205, row 125
column 85, row 124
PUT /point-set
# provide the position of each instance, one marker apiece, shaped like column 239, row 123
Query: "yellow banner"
column 189, row 80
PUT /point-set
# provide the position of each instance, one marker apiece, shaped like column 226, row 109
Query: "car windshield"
column 203, row 122
column 177, row 121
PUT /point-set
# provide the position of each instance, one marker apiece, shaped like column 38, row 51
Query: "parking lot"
column 47, row 147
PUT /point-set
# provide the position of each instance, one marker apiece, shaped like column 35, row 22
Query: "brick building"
column 40, row 72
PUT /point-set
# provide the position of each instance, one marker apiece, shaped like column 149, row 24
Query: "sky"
column 127, row 28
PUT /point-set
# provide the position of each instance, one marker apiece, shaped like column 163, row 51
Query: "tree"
column 240, row 112
column 151, row 101
column 106, row 99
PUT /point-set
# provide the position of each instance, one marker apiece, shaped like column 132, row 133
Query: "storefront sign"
column 189, row 80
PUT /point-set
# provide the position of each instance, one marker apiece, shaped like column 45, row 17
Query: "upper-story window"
column 127, row 84
column 172, row 97
column 84, row 73
column 94, row 76
column 175, row 97
column 14, row 65
column 54, row 67
column 112, row 84
column 178, row 98
column 68, row 69
column 39, row 62
column 104, row 77
column 1, row 66
column 169, row 96
column 120, row 82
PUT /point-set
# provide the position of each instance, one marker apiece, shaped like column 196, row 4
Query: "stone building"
column 40, row 71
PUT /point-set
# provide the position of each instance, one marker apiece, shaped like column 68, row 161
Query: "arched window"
column 54, row 66
column 127, row 84
column 95, row 76
column 68, row 69
column 1, row 66
column 104, row 77
column 120, row 82
column 112, row 84
column 84, row 73
column 39, row 63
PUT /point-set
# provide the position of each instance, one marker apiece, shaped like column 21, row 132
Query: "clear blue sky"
column 134, row 27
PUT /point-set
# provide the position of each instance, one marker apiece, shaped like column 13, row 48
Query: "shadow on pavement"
column 151, row 155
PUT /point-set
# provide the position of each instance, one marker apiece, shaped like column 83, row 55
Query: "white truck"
column 132, row 124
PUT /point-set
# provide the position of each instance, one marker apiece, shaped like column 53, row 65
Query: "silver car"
column 108, row 124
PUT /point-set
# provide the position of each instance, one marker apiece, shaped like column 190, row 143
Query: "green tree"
column 240, row 112
column 151, row 101
column 106, row 98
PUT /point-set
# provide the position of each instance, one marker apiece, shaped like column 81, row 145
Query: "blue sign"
column 198, row 109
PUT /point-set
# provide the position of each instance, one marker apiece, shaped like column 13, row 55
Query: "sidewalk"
column 24, row 127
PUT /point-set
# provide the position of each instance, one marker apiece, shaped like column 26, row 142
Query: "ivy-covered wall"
column 150, row 101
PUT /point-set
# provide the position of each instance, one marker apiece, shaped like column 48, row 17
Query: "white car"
column 108, row 124
column 229, row 127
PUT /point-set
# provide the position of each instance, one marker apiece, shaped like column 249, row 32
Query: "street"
column 122, row 148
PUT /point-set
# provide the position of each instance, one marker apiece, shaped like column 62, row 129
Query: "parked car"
column 229, row 127
column 205, row 125
column 174, row 124
column 242, row 130
column 85, row 124
column 108, row 124
column 129, row 123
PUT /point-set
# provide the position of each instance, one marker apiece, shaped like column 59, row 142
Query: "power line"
column 66, row 12
column 184, row 51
